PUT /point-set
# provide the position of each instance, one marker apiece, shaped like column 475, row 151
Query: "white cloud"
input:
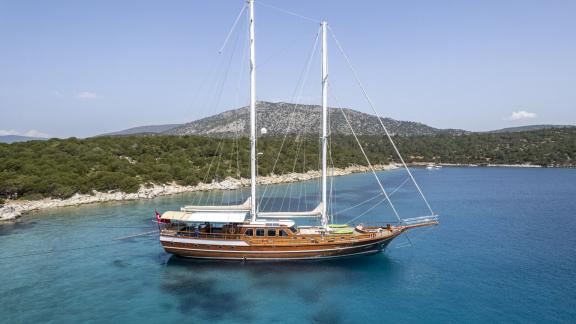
column 4, row 132
column 87, row 95
column 31, row 133
column 522, row 114
column 57, row 93
column 35, row 133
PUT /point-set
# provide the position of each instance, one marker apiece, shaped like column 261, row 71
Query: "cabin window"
column 283, row 233
column 249, row 232
column 272, row 232
column 293, row 229
column 260, row 232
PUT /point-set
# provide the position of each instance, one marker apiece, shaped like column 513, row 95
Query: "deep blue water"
column 505, row 251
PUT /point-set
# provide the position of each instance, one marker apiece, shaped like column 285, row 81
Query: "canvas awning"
column 203, row 217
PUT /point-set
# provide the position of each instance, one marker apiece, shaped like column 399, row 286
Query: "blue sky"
column 81, row 68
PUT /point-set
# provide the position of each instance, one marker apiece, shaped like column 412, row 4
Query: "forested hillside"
column 60, row 168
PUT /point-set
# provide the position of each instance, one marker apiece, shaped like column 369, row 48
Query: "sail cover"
column 316, row 212
column 203, row 217
column 204, row 208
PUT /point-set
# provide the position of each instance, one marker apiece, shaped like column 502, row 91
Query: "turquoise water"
column 505, row 252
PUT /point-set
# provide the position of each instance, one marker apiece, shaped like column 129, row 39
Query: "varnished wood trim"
column 282, row 251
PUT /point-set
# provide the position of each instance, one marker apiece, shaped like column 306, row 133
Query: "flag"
column 159, row 217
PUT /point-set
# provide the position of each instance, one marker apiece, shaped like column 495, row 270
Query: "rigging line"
column 200, row 196
column 238, row 173
column 88, row 226
column 368, row 161
column 289, row 186
column 379, row 118
column 210, row 79
column 370, row 199
column 408, row 238
column 294, row 168
column 220, row 90
column 358, row 205
column 288, row 12
column 216, row 172
column 57, row 251
column 228, row 166
column 400, row 186
column 232, row 28
column 135, row 235
column 365, row 212
column 243, row 68
column 302, row 184
column 210, row 166
column 297, row 93
column 330, row 140
column 299, row 90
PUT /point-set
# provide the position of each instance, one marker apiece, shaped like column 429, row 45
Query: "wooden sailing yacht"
column 242, row 232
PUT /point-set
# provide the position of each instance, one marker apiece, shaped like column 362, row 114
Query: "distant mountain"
column 17, row 138
column 150, row 129
column 280, row 117
column 528, row 128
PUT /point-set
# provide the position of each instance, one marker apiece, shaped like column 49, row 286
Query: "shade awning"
column 203, row 217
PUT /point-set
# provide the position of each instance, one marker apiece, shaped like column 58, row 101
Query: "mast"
column 253, row 200
column 324, row 123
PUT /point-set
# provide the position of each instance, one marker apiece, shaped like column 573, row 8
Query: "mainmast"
column 253, row 200
column 324, row 123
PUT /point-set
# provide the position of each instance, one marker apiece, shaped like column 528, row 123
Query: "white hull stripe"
column 203, row 242
column 287, row 259
column 296, row 251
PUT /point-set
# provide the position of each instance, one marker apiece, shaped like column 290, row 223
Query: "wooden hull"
column 188, row 248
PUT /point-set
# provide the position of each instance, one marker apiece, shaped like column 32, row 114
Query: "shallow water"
column 505, row 251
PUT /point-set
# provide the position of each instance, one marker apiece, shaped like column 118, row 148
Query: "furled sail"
column 197, row 208
column 316, row 212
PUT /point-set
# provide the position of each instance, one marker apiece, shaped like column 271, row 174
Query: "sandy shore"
column 15, row 208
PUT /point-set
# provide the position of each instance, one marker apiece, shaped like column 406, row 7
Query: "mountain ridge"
column 281, row 117
column 277, row 118
column 528, row 128
column 147, row 129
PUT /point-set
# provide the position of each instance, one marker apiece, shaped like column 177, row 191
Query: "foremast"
column 324, row 124
column 253, row 200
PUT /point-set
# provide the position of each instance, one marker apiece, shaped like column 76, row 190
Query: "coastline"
column 13, row 209
column 470, row 165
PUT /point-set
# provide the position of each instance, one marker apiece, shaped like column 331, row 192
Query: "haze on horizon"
column 71, row 68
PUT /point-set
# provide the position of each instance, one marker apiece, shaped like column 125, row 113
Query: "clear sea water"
column 505, row 251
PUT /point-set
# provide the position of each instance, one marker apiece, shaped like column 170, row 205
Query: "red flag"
column 159, row 217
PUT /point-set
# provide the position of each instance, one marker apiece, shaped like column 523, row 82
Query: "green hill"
column 62, row 167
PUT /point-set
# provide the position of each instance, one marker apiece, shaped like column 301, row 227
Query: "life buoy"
column 231, row 230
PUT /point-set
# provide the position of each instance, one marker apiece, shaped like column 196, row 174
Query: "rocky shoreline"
column 468, row 165
column 15, row 208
